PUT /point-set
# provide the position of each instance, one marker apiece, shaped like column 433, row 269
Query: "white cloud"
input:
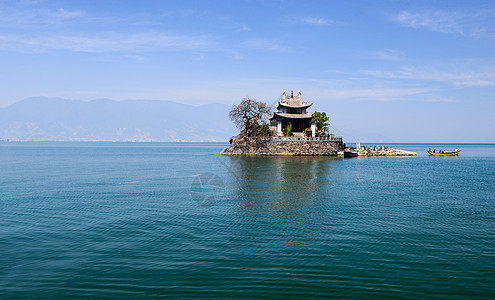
column 110, row 42
column 142, row 41
column 269, row 89
column 64, row 14
column 478, row 25
column 315, row 21
column 180, row 13
column 237, row 55
column 436, row 21
column 456, row 77
column 84, row 92
column 245, row 28
column 392, row 55
column 264, row 44
column 38, row 18
column 137, row 58
column 439, row 99
column 477, row 83
column 376, row 94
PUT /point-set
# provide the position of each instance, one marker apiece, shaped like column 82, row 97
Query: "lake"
column 149, row 220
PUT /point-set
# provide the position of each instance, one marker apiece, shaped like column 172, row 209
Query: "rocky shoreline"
column 381, row 151
column 242, row 145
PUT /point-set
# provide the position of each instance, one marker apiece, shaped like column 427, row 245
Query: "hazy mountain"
column 56, row 119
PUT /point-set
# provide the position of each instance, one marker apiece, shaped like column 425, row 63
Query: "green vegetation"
column 288, row 130
column 321, row 121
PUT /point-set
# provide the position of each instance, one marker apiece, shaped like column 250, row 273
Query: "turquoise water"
column 144, row 220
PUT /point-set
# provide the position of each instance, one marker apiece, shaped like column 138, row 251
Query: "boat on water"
column 350, row 153
column 444, row 153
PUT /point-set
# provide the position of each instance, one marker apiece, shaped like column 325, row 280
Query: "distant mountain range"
column 56, row 119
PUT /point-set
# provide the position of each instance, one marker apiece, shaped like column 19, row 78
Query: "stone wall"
column 243, row 145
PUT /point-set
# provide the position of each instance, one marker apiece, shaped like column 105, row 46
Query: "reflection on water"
column 293, row 180
column 288, row 194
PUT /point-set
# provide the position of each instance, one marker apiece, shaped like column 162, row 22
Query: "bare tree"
column 249, row 115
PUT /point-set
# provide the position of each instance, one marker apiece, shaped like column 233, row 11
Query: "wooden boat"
column 453, row 153
column 350, row 153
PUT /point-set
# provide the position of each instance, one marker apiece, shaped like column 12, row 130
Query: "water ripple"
column 119, row 222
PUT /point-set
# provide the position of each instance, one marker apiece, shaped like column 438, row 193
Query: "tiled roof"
column 292, row 116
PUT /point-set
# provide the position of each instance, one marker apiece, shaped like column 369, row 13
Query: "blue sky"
column 400, row 67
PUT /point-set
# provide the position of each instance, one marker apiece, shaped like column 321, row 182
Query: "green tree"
column 288, row 130
column 249, row 117
column 321, row 121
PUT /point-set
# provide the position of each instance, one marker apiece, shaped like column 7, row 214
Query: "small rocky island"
column 381, row 151
column 292, row 130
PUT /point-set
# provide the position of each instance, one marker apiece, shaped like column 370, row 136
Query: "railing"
column 298, row 138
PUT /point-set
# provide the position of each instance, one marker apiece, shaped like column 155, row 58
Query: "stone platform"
column 264, row 146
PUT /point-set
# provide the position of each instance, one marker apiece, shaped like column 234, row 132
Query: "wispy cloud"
column 237, row 55
column 478, row 24
column 392, row 55
column 38, row 17
column 65, row 14
column 316, row 21
column 87, row 92
column 180, row 13
column 118, row 57
column 375, row 94
column 455, row 77
column 112, row 42
column 265, row 45
column 439, row 99
column 109, row 42
column 245, row 28
column 331, row 90
column 268, row 89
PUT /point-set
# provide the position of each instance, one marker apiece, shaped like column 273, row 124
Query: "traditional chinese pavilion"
column 292, row 110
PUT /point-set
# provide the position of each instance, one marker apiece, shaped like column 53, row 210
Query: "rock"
column 383, row 151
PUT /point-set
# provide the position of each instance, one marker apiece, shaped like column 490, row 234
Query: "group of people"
column 441, row 151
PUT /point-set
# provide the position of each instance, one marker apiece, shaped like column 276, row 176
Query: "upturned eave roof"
column 308, row 115
column 293, row 104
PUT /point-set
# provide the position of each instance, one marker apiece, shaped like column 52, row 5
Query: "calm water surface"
column 144, row 220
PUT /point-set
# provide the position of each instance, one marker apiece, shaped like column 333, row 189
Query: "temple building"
column 292, row 110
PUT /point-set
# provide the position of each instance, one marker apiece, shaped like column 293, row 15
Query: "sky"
column 402, row 70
